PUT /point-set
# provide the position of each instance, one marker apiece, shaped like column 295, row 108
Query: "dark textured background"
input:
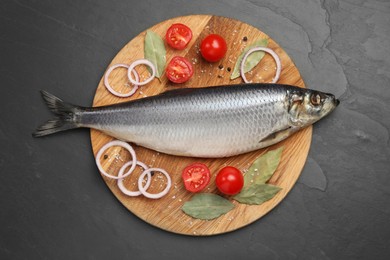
column 55, row 205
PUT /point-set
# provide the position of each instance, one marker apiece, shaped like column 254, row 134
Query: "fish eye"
column 315, row 99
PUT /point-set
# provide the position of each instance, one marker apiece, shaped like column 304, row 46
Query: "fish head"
column 307, row 106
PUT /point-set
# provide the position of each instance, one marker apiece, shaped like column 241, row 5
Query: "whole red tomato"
column 213, row 48
column 229, row 180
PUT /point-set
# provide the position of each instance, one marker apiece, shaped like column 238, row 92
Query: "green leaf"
column 155, row 52
column 252, row 60
column 263, row 167
column 257, row 194
column 207, row 206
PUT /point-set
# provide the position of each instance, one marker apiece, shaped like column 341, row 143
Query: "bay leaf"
column 263, row 167
column 252, row 60
column 207, row 206
column 257, row 194
column 155, row 52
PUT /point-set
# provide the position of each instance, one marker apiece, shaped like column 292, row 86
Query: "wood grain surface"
column 166, row 212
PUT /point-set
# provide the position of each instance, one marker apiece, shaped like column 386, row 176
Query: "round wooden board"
column 166, row 212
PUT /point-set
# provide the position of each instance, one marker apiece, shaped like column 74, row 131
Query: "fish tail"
column 66, row 116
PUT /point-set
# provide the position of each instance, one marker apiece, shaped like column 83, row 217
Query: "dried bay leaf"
column 256, row 194
column 207, row 206
column 252, row 60
column 155, row 52
column 263, row 167
column 255, row 190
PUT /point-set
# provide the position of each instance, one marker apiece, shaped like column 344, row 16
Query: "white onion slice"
column 142, row 188
column 141, row 62
column 122, row 186
column 114, row 92
column 268, row 50
column 121, row 144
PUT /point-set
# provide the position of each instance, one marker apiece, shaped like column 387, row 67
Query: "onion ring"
column 142, row 188
column 269, row 51
column 141, row 62
column 122, row 186
column 121, row 144
column 114, row 92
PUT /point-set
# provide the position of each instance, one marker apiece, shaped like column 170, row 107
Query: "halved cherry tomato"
column 229, row 180
column 213, row 48
column 178, row 36
column 179, row 70
column 196, row 177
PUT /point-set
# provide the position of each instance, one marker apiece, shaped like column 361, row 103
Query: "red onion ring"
column 142, row 188
column 122, row 186
column 114, row 92
column 141, row 62
column 268, row 50
column 121, row 144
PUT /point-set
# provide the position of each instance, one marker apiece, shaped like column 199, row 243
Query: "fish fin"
column 65, row 116
column 278, row 135
column 178, row 91
column 184, row 91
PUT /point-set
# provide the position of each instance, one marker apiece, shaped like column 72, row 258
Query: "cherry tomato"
column 178, row 36
column 213, row 48
column 179, row 70
column 229, row 180
column 196, row 177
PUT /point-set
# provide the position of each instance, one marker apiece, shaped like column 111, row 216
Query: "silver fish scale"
column 203, row 123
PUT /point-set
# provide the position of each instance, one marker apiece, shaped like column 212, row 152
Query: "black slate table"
column 55, row 205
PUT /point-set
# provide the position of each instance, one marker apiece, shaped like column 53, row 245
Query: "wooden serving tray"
column 166, row 212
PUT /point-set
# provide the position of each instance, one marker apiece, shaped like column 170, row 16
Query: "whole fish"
column 200, row 122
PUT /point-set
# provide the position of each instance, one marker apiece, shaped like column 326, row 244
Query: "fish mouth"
column 330, row 104
column 335, row 101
